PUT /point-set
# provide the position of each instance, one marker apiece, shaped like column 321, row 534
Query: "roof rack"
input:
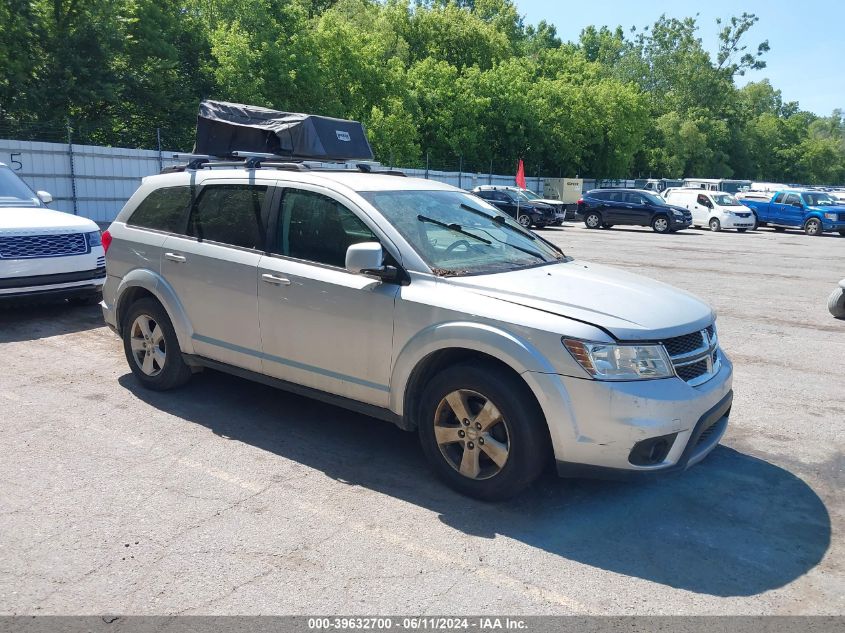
column 259, row 160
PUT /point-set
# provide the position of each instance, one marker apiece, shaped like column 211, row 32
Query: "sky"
column 806, row 37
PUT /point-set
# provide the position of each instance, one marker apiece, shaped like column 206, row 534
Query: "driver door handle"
column 273, row 279
column 175, row 258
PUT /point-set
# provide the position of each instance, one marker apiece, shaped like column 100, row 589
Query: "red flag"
column 520, row 175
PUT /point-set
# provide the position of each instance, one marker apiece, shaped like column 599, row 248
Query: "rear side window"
column 163, row 210
column 229, row 214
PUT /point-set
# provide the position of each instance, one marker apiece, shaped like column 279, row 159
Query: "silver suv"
column 421, row 304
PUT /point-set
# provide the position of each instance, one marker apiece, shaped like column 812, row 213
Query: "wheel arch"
column 145, row 283
column 449, row 344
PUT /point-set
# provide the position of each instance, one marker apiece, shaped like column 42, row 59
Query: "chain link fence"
column 95, row 180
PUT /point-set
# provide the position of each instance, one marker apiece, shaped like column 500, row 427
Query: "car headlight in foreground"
column 94, row 239
column 606, row 361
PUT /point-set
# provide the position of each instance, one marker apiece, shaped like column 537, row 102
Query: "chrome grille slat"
column 31, row 246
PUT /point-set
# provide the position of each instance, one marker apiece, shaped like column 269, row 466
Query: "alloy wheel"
column 525, row 221
column 592, row 220
column 472, row 434
column 149, row 348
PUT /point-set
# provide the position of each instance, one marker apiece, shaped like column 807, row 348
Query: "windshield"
column 818, row 199
column 529, row 195
column 725, row 200
column 732, row 186
column 656, row 200
column 456, row 233
column 14, row 192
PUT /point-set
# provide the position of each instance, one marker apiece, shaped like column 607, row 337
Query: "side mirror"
column 367, row 258
column 44, row 196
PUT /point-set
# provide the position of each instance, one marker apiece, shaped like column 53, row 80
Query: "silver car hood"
column 629, row 306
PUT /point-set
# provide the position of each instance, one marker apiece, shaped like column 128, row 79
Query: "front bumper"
column 736, row 222
column 829, row 225
column 595, row 425
column 61, row 284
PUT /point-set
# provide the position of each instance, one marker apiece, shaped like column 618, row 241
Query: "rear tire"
column 482, row 431
column 836, row 303
column 151, row 347
column 813, row 227
column 592, row 220
column 660, row 224
column 715, row 225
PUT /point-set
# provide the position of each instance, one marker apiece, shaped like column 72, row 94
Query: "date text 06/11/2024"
column 416, row 623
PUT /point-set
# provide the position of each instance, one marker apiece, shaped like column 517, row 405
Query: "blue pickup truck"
column 815, row 212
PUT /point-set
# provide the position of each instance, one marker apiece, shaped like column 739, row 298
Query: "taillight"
column 580, row 201
column 106, row 241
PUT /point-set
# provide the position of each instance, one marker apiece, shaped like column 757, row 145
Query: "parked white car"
column 713, row 209
column 421, row 304
column 45, row 252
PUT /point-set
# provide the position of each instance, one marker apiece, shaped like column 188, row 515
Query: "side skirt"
column 329, row 398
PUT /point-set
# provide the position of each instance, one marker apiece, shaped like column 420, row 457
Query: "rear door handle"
column 276, row 281
column 175, row 258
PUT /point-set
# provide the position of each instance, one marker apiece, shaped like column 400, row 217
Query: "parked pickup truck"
column 815, row 212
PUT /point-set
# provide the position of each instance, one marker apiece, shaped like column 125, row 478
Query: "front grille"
column 30, row 246
column 743, row 215
column 684, row 344
column 693, row 370
column 694, row 356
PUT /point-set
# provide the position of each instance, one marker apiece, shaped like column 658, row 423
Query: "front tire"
column 592, row 220
column 836, row 303
column 660, row 224
column 715, row 225
column 813, row 227
column 482, row 431
column 151, row 347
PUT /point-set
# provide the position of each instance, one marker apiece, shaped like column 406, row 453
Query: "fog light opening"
column 651, row 451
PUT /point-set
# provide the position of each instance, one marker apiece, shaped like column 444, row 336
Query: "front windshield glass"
column 656, row 200
column 732, row 186
column 818, row 199
column 459, row 234
column 14, row 192
column 725, row 200
column 529, row 195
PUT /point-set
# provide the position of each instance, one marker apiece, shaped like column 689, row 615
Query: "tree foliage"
column 437, row 80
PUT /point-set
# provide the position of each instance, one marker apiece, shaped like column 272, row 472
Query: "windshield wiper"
column 452, row 227
column 498, row 219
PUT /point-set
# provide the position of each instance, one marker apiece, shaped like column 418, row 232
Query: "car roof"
column 353, row 180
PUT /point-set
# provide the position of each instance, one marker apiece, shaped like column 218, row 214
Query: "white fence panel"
column 103, row 178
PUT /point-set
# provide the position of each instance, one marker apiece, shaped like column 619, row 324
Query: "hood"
column 41, row 221
column 629, row 306
column 550, row 202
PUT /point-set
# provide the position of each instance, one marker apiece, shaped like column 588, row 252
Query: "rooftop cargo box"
column 223, row 128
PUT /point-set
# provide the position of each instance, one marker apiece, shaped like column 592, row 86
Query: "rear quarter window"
column 163, row 210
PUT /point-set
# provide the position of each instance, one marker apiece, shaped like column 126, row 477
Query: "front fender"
column 516, row 352
column 163, row 291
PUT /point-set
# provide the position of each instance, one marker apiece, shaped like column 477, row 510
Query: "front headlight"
column 94, row 239
column 830, row 216
column 678, row 213
column 606, row 361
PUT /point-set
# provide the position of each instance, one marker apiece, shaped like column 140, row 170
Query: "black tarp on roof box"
column 223, row 128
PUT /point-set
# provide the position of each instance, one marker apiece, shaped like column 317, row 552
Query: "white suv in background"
column 45, row 252
column 716, row 210
column 421, row 304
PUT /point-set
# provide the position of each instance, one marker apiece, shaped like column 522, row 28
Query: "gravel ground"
column 228, row 497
